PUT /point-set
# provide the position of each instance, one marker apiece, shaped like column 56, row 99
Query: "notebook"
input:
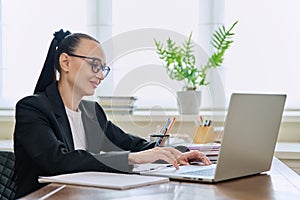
column 104, row 180
column 248, row 141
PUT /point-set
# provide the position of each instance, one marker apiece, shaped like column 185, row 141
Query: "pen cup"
column 161, row 140
column 204, row 134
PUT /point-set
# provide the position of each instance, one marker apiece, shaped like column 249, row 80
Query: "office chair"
column 7, row 175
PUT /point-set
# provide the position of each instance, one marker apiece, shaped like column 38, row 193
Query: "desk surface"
column 279, row 183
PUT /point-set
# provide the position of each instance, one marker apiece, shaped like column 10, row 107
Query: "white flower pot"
column 189, row 102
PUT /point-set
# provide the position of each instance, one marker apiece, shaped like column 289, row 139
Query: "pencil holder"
column 161, row 140
column 204, row 134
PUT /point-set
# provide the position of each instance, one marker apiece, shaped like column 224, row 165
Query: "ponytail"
column 48, row 75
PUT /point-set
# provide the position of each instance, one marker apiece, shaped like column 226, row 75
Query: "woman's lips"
column 94, row 84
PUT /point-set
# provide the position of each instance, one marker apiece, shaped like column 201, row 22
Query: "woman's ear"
column 64, row 60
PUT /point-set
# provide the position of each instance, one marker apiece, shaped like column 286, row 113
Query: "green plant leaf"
column 180, row 61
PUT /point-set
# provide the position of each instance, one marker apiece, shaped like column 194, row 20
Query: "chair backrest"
column 7, row 175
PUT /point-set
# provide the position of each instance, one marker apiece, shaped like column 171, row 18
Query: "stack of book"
column 117, row 104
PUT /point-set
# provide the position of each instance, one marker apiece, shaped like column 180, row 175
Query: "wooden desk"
column 279, row 183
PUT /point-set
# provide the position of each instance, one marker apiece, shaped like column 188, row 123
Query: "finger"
column 197, row 155
column 193, row 155
column 175, row 164
column 183, row 160
column 206, row 161
column 204, row 158
column 168, row 157
column 174, row 153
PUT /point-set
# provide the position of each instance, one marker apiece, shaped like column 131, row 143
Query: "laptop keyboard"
column 203, row 172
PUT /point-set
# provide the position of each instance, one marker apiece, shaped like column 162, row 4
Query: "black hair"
column 63, row 42
column 69, row 45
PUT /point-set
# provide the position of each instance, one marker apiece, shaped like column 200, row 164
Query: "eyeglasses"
column 95, row 64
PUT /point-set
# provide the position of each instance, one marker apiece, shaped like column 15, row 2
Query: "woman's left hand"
column 190, row 156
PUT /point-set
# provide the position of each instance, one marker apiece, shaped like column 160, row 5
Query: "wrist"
column 131, row 158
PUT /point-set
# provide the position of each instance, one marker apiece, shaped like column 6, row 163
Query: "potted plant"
column 180, row 64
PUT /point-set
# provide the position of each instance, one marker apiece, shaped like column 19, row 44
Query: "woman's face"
column 81, row 75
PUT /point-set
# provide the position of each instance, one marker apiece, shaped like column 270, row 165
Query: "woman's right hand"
column 167, row 154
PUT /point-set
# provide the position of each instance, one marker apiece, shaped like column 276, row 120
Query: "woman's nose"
column 100, row 75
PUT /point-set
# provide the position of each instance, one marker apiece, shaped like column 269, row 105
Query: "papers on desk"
column 104, row 180
column 209, row 149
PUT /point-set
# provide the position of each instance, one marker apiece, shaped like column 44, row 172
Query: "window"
column 137, row 70
column 264, row 55
column 27, row 28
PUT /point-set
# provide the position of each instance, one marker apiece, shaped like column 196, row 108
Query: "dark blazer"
column 43, row 142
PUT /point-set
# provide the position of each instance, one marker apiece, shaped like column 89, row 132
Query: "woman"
column 57, row 132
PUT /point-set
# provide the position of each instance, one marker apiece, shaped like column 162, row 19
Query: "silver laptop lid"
column 250, row 135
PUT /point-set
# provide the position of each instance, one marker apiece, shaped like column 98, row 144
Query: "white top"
column 77, row 129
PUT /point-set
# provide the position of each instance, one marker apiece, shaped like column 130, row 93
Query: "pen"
column 209, row 122
column 197, row 123
column 171, row 125
column 201, row 120
column 160, row 167
column 162, row 132
column 167, row 131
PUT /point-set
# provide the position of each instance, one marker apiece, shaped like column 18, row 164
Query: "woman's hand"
column 190, row 156
column 168, row 154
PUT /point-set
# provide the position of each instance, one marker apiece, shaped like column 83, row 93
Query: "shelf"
column 7, row 115
column 6, row 145
column 288, row 150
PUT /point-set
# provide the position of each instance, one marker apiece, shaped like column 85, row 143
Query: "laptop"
column 248, row 141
